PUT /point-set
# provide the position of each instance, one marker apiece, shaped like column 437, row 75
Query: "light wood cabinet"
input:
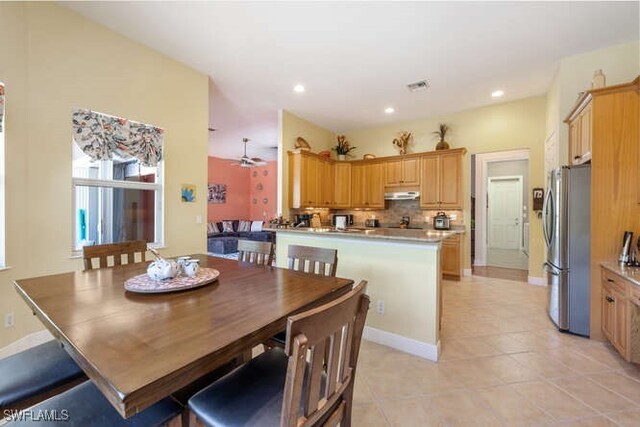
column 342, row 186
column 326, row 184
column 441, row 181
column 620, row 305
column 306, row 174
column 450, row 258
column 367, row 185
column 402, row 172
column 580, row 133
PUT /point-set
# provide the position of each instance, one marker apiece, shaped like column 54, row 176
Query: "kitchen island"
column 402, row 267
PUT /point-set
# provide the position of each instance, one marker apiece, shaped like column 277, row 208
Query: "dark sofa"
column 226, row 243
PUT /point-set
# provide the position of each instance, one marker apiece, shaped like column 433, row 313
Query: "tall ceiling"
column 355, row 58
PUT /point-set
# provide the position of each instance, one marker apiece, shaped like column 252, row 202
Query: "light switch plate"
column 199, row 219
column 9, row 320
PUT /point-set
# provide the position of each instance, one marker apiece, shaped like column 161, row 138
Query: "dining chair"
column 35, row 374
column 114, row 250
column 307, row 259
column 259, row 253
column 300, row 385
column 85, row 405
column 313, row 260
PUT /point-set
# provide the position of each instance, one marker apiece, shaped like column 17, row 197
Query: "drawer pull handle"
column 609, row 299
column 611, row 280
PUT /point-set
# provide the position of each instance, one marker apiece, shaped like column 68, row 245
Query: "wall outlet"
column 198, row 219
column 427, row 219
column 9, row 320
column 453, row 217
column 380, row 306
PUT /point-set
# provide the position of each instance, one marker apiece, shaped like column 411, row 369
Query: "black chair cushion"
column 249, row 396
column 35, row 371
column 86, row 406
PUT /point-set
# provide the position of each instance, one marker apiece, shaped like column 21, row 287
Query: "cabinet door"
column 357, row 186
column 451, row 181
column 620, row 323
column 327, row 184
column 393, row 173
column 429, row 183
column 606, row 305
column 585, row 134
column 374, row 185
column 450, row 258
column 411, row 171
column 574, row 142
column 310, row 188
column 342, row 179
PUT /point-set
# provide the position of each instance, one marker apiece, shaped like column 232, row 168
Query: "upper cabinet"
column 367, row 185
column 441, row 180
column 318, row 182
column 342, row 185
column 402, row 172
column 580, row 132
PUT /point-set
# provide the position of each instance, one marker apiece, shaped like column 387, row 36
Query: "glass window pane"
column 122, row 169
column 112, row 215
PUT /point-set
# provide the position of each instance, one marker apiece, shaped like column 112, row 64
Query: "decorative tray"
column 144, row 284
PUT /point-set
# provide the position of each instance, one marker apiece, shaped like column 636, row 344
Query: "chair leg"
column 192, row 420
column 348, row 404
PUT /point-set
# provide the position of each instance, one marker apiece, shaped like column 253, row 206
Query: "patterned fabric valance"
column 100, row 136
column 1, row 106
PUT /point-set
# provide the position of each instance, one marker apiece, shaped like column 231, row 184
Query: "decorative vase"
column 599, row 80
column 442, row 145
column 342, row 157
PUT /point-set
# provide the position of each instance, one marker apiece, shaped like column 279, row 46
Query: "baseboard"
column 467, row 272
column 537, row 281
column 407, row 345
column 26, row 342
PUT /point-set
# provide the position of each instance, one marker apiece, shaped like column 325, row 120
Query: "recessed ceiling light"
column 497, row 93
column 298, row 88
column 389, row 110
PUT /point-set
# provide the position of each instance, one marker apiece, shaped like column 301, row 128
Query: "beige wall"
column 52, row 60
column 506, row 126
column 619, row 63
column 290, row 128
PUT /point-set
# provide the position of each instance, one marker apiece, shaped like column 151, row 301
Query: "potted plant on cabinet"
column 441, row 133
column 343, row 147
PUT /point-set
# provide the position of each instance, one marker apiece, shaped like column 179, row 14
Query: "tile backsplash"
column 391, row 215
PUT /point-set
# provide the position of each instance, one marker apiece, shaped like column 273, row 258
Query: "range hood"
column 402, row 195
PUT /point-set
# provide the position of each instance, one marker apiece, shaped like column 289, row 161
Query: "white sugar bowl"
column 162, row 269
column 191, row 267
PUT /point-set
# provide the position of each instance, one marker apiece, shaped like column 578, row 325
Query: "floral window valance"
column 100, row 136
column 1, row 106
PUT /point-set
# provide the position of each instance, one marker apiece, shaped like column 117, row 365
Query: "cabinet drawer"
column 614, row 282
column 635, row 294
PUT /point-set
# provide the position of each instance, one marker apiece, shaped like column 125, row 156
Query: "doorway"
column 500, row 213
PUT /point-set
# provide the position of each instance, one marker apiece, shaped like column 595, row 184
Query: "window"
column 2, row 220
column 117, row 181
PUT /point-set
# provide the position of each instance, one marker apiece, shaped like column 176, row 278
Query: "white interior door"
column 504, row 212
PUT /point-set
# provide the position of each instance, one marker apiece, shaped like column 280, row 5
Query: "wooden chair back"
column 259, row 253
column 331, row 336
column 313, row 260
column 115, row 251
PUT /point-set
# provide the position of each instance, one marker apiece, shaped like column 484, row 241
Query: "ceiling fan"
column 246, row 161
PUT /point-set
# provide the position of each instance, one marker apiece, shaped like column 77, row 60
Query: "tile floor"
column 503, row 364
column 507, row 258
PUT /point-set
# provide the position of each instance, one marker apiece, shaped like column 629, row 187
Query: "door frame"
column 482, row 162
column 520, row 180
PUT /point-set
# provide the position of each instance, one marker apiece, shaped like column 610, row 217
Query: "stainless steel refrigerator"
column 566, row 223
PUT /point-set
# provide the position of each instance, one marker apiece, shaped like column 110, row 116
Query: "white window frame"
column 157, row 187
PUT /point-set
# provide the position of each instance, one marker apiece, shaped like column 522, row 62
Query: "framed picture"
column 217, row 193
column 188, row 193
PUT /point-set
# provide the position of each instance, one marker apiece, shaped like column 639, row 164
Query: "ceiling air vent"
column 419, row 85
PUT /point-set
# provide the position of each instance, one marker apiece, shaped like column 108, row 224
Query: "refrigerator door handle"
column 545, row 206
column 551, row 269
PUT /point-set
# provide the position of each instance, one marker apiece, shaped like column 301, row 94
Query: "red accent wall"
column 242, row 190
column 222, row 171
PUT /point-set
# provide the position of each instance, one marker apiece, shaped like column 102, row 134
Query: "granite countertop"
column 632, row 274
column 391, row 234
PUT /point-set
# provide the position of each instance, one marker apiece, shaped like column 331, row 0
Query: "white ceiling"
column 355, row 58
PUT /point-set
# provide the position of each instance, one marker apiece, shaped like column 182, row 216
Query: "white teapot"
column 162, row 269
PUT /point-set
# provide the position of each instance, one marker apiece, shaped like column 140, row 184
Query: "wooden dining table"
column 141, row 348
